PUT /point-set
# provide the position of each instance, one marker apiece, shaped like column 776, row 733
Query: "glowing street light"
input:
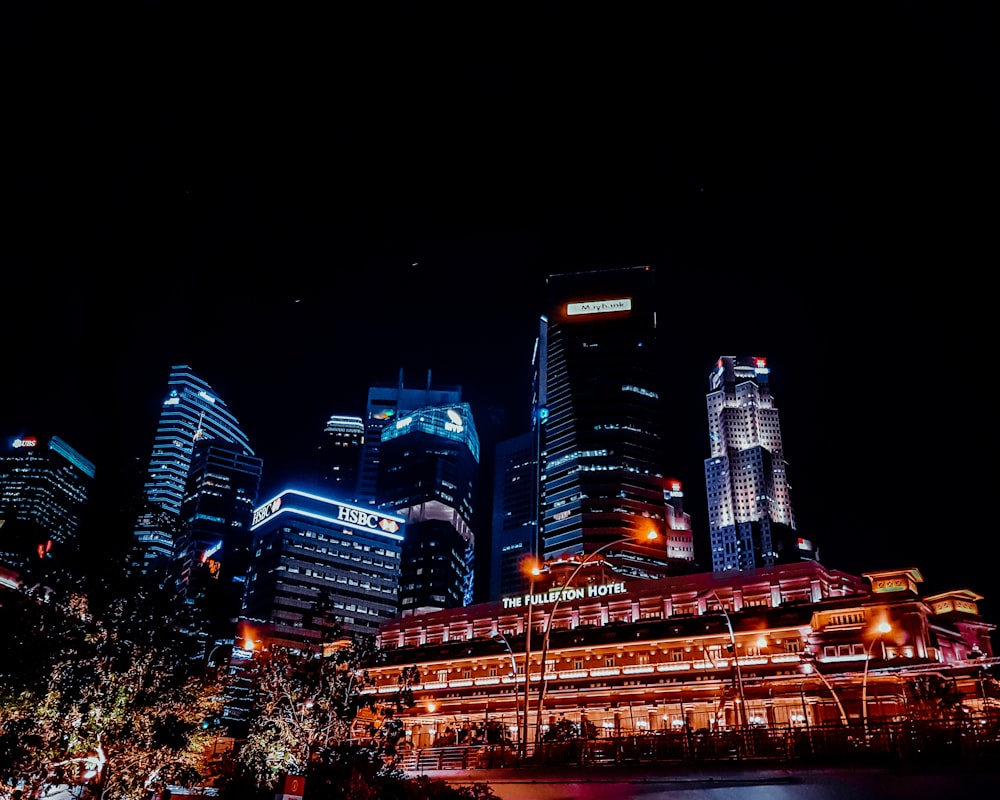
column 810, row 664
column 650, row 536
column 534, row 569
column 736, row 658
column 881, row 629
column 498, row 634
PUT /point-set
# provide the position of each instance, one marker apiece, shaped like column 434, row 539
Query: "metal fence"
column 968, row 742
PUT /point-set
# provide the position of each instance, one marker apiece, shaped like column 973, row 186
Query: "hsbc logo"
column 264, row 512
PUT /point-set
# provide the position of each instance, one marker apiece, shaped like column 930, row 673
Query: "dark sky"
column 300, row 205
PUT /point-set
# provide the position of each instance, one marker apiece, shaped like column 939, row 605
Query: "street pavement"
column 658, row 783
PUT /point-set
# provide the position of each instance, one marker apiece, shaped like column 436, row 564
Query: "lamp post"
column 881, row 629
column 736, row 659
column 208, row 658
column 534, row 569
column 498, row 634
column 810, row 665
column 649, row 537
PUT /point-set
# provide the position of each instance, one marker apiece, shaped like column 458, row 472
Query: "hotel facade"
column 793, row 645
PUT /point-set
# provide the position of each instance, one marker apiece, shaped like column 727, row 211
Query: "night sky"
column 300, row 206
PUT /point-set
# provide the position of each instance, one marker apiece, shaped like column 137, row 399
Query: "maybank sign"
column 330, row 511
column 563, row 594
column 599, row 306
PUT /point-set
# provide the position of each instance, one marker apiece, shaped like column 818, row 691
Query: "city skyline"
column 807, row 186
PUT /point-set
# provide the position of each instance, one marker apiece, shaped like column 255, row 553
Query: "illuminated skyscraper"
column 212, row 553
column 428, row 475
column 750, row 518
column 191, row 411
column 601, row 422
column 386, row 402
column 338, row 456
column 44, row 492
column 515, row 514
column 320, row 569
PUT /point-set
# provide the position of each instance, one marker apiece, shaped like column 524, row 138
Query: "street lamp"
column 498, row 634
column 881, row 629
column 208, row 658
column 650, row 536
column 810, row 665
column 534, row 570
column 736, row 658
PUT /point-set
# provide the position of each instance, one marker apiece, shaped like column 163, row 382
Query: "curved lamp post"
column 736, row 658
column 650, row 536
column 881, row 629
column 534, row 569
column 498, row 634
column 810, row 663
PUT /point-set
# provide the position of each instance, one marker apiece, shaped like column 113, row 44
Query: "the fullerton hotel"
column 799, row 644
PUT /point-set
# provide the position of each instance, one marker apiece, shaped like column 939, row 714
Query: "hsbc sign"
column 327, row 510
column 264, row 512
column 366, row 519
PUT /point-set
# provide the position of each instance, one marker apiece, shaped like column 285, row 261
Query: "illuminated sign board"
column 599, row 306
column 330, row 511
column 563, row 594
column 265, row 511
column 27, row 441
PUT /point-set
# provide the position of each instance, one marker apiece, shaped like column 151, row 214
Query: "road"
column 658, row 783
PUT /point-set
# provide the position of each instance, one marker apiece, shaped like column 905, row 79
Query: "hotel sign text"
column 557, row 595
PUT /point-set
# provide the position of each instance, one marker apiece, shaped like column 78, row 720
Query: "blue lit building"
column 338, row 456
column 386, row 403
column 44, row 493
column 428, row 474
column 602, row 446
column 191, row 411
column 515, row 514
column 212, row 552
column 319, row 569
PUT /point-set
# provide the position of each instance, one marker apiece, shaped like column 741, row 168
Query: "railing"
column 966, row 742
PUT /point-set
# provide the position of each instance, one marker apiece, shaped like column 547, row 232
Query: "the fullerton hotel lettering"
column 557, row 595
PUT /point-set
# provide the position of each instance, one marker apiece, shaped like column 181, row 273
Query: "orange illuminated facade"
column 642, row 656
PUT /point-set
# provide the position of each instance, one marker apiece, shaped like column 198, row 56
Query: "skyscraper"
column 338, row 456
column 515, row 514
column 320, row 569
column 750, row 518
column 212, row 553
column 190, row 411
column 386, row 402
column 44, row 492
column 601, row 421
column 428, row 475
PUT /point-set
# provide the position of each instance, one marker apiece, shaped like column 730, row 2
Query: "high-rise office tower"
column 750, row 518
column 515, row 514
column 44, row 492
column 212, row 553
column 190, row 411
column 338, row 456
column 428, row 475
column 601, row 422
column 320, row 569
column 387, row 402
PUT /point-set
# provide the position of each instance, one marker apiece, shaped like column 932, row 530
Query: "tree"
column 933, row 697
column 318, row 709
column 110, row 688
